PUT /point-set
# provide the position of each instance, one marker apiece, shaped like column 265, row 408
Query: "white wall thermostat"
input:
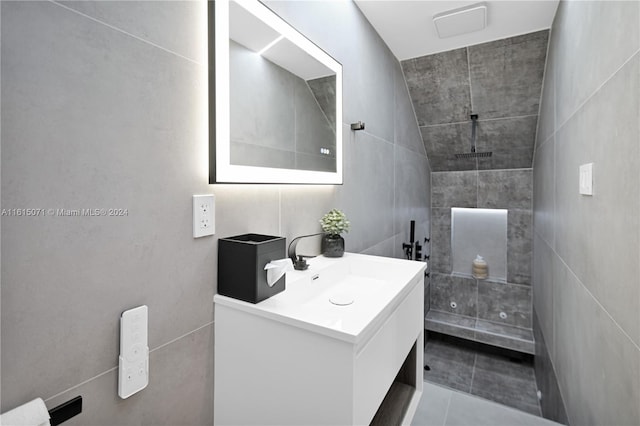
column 133, row 365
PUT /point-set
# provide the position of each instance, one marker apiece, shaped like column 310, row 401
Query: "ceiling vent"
column 464, row 20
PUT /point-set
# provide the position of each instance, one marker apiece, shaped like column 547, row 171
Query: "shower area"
column 486, row 213
column 477, row 109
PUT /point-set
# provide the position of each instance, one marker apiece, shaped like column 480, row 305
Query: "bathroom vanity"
column 343, row 344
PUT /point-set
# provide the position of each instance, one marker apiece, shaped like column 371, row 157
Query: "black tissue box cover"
column 241, row 261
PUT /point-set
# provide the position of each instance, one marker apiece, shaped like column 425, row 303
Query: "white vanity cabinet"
column 298, row 359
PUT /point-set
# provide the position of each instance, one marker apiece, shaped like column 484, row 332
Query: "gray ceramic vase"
column 332, row 245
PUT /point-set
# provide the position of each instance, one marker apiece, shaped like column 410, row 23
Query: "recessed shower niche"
column 480, row 232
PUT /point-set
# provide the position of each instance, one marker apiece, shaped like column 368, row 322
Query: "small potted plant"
column 333, row 224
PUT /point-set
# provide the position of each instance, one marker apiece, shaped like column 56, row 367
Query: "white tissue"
column 276, row 269
column 33, row 413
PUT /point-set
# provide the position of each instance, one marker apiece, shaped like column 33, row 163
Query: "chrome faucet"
column 299, row 260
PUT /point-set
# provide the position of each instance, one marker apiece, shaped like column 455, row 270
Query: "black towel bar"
column 65, row 411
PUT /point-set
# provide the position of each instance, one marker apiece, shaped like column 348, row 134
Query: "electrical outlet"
column 203, row 215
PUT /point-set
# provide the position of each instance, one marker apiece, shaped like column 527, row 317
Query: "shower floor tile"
column 449, row 365
column 481, row 371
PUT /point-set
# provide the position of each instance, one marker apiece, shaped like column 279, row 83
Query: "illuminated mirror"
column 275, row 100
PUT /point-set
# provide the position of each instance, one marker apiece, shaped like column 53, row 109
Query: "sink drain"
column 342, row 299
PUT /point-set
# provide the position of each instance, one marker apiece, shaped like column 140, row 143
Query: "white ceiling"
column 407, row 26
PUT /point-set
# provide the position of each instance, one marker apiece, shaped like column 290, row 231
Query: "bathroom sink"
column 327, row 349
column 340, row 297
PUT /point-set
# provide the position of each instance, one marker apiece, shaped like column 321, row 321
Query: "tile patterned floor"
column 440, row 406
column 481, row 371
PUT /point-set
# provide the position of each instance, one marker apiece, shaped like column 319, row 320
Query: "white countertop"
column 376, row 284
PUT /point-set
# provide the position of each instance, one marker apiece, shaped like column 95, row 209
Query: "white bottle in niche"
column 480, row 270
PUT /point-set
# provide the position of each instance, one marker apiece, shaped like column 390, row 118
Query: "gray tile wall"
column 500, row 189
column 104, row 105
column 501, row 81
column 587, row 248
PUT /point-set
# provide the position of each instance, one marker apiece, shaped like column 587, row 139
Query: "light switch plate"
column 133, row 362
column 586, row 179
column 204, row 215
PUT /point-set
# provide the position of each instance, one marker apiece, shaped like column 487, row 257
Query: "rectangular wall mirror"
column 275, row 100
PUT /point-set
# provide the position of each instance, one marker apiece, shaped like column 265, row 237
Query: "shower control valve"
column 418, row 251
column 408, row 250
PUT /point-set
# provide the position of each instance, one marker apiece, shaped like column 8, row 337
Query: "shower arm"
column 474, row 124
column 473, row 153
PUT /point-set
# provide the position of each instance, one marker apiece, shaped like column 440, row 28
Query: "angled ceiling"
column 500, row 81
column 407, row 26
column 496, row 73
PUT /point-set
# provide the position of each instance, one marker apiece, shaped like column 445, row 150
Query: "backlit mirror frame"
column 220, row 168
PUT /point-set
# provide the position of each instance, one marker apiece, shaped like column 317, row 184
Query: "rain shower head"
column 473, row 153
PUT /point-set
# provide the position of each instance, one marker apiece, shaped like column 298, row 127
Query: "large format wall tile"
column 505, row 189
column 443, row 141
column 407, row 134
column 587, row 51
column 551, row 404
column 454, row 189
column 368, row 182
column 519, row 246
column 513, row 300
column 542, row 287
column 510, row 141
column 544, row 191
column 180, row 390
column 444, row 162
column 598, row 366
column 546, row 120
column 589, row 114
column 411, row 197
column 96, row 142
column 149, row 21
column 301, row 208
column 446, row 288
column 448, row 101
column 384, row 248
column 506, row 75
column 597, row 235
column 441, row 239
